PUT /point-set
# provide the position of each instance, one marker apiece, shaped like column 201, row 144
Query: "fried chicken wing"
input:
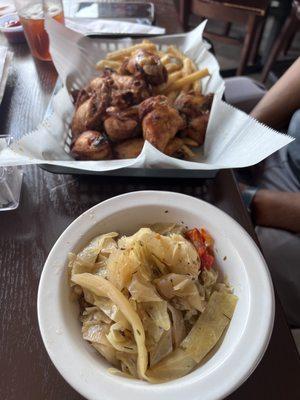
column 129, row 91
column 87, row 116
column 160, row 121
column 91, row 145
column 146, row 65
column 130, row 148
column 174, row 148
column 122, row 124
column 195, row 110
column 196, row 128
column 123, row 90
column 108, row 90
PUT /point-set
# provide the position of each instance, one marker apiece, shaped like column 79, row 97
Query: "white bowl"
column 237, row 256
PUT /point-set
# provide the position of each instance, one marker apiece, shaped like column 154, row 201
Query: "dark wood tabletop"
column 48, row 204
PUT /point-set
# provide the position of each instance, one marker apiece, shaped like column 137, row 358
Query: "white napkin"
column 89, row 25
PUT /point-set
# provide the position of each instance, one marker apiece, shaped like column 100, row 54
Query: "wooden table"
column 48, row 204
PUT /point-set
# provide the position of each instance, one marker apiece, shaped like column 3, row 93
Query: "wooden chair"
column 284, row 39
column 251, row 13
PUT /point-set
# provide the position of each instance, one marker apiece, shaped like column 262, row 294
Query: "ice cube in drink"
column 32, row 19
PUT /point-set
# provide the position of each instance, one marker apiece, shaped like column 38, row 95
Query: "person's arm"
column 282, row 100
column 277, row 210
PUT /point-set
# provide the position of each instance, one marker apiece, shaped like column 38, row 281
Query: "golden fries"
column 171, row 67
column 190, row 142
column 188, row 152
column 171, row 78
column 176, row 52
column 189, row 79
column 187, row 70
column 120, row 54
column 174, row 77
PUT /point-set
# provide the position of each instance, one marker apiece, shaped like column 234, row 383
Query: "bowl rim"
column 262, row 332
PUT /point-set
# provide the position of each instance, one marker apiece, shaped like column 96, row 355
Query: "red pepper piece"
column 202, row 242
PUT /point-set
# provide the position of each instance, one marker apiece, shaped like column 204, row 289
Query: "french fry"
column 190, row 142
column 187, row 70
column 187, row 151
column 188, row 79
column 197, row 86
column 172, row 67
column 107, row 64
column 171, row 78
column 120, row 54
column 175, row 52
column 174, row 77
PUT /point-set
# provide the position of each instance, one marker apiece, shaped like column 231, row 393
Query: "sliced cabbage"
column 162, row 348
column 181, row 303
column 178, row 326
column 103, row 243
column 144, row 296
column 210, row 325
column 95, row 333
column 102, row 287
column 85, row 260
column 128, row 363
column 94, row 315
column 111, row 310
column 76, row 266
column 173, row 251
column 121, row 265
column 201, row 339
column 142, row 290
column 175, row 365
column 152, row 331
column 107, row 352
column 121, row 342
column 158, row 312
column 209, row 277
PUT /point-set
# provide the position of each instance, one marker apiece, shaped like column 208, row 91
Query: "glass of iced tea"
column 32, row 17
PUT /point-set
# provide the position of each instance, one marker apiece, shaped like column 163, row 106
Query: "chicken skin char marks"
column 195, row 110
column 160, row 121
column 91, row 145
column 146, row 65
column 122, row 124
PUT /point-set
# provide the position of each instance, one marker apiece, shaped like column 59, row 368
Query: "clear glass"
column 10, row 187
column 32, row 17
column 10, row 183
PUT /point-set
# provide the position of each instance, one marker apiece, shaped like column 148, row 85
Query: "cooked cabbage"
column 142, row 291
column 102, row 287
column 148, row 304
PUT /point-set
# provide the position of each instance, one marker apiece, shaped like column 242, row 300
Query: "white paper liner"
column 233, row 139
